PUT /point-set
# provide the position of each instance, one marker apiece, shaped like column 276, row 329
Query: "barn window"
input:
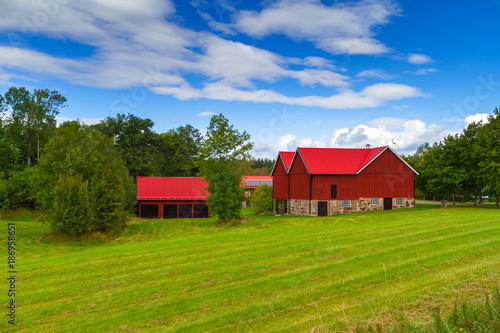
column 375, row 201
column 400, row 201
column 333, row 191
column 293, row 202
column 346, row 203
column 303, row 203
column 247, row 194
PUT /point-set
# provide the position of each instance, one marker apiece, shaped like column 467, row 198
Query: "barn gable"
column 283, row 162
column 280, row 175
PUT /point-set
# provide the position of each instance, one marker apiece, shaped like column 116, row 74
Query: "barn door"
column 322, row 209
column 387, row 203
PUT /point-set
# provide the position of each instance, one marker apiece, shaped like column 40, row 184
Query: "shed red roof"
column 337, row 160
column 171, row 188
column 256, row 181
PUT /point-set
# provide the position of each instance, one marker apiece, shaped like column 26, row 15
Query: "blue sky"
column 290, row 73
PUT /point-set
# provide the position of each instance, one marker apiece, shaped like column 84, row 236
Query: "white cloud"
column 407, row 134
column 419, row 59
column 142, row 45
column 342, row 28
column 376, row 73
column 372, row 96
column 476, row 118
column 388, row 122
column 205, row 114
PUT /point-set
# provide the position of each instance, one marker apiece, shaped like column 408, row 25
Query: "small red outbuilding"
column 172, row 197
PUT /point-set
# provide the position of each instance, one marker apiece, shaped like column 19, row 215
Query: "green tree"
column 83, row 184
column 453, row 172
column 33, row 118
column 489, row 152
column 471, row 157
column 221, row 154
column 177, row 152
column 9, row 155
column 136, row 141
column 263, row 198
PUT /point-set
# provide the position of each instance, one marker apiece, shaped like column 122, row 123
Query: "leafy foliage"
column 135, row 140
column 177, row 152
column 220, row 160
column 466, row 164
column 263, row 198
column 33, row 118
column 83, row 183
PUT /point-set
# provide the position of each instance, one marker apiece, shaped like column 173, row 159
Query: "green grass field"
column 286, row 273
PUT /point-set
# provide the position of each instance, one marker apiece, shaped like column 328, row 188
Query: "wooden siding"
column 363, row 185
column 280, row 181
column 387, row 162
column 387, row 176
column 299, row 180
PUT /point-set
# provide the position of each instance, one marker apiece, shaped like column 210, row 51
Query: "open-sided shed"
column 172, row 197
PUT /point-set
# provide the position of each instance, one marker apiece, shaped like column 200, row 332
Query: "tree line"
column 96, row 166
column 464, row 166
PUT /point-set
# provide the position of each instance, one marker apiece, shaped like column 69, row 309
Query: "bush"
column 263, row 198
column 83, row 184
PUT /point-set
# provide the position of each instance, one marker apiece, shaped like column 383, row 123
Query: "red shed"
column 326, row 181
column 250, row 183
column 172, row 197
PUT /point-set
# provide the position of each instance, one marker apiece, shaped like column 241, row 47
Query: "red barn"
column 327, row 181
column 172, row 197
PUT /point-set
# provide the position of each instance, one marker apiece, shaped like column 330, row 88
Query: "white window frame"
column 375, row 201
column 247, row 194
column 345, row 203
column 303, row 203
column 400, row 201
column 293, row 202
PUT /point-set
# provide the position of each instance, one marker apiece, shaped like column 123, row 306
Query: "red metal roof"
column 256, row 181
column 287, row 157
column 171, row 188
column 337, row 160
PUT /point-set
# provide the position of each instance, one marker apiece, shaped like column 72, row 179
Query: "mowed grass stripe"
column 144, row 266
column 176, row 283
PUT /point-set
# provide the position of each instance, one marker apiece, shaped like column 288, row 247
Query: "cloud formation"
column 142, row 44
column 419, row 59
column 406, row 134
column 341, row 28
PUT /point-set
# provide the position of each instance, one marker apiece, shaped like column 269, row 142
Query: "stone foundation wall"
column 408, row 203
column 335, row 206
column 295, row 207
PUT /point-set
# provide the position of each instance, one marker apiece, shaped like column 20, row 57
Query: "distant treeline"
column 465, row 165
column 28, row 125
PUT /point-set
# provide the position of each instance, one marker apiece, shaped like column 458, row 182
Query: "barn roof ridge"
column 348, row 161
column 281, row 155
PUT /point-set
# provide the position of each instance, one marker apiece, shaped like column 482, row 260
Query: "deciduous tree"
column 221, row 154
column 83, row 184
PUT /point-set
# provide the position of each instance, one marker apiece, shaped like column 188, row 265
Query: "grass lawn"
column 270, row 273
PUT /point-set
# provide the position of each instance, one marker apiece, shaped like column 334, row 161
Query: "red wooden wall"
column 387, row 176
column 280, row 181
column 299, row 180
